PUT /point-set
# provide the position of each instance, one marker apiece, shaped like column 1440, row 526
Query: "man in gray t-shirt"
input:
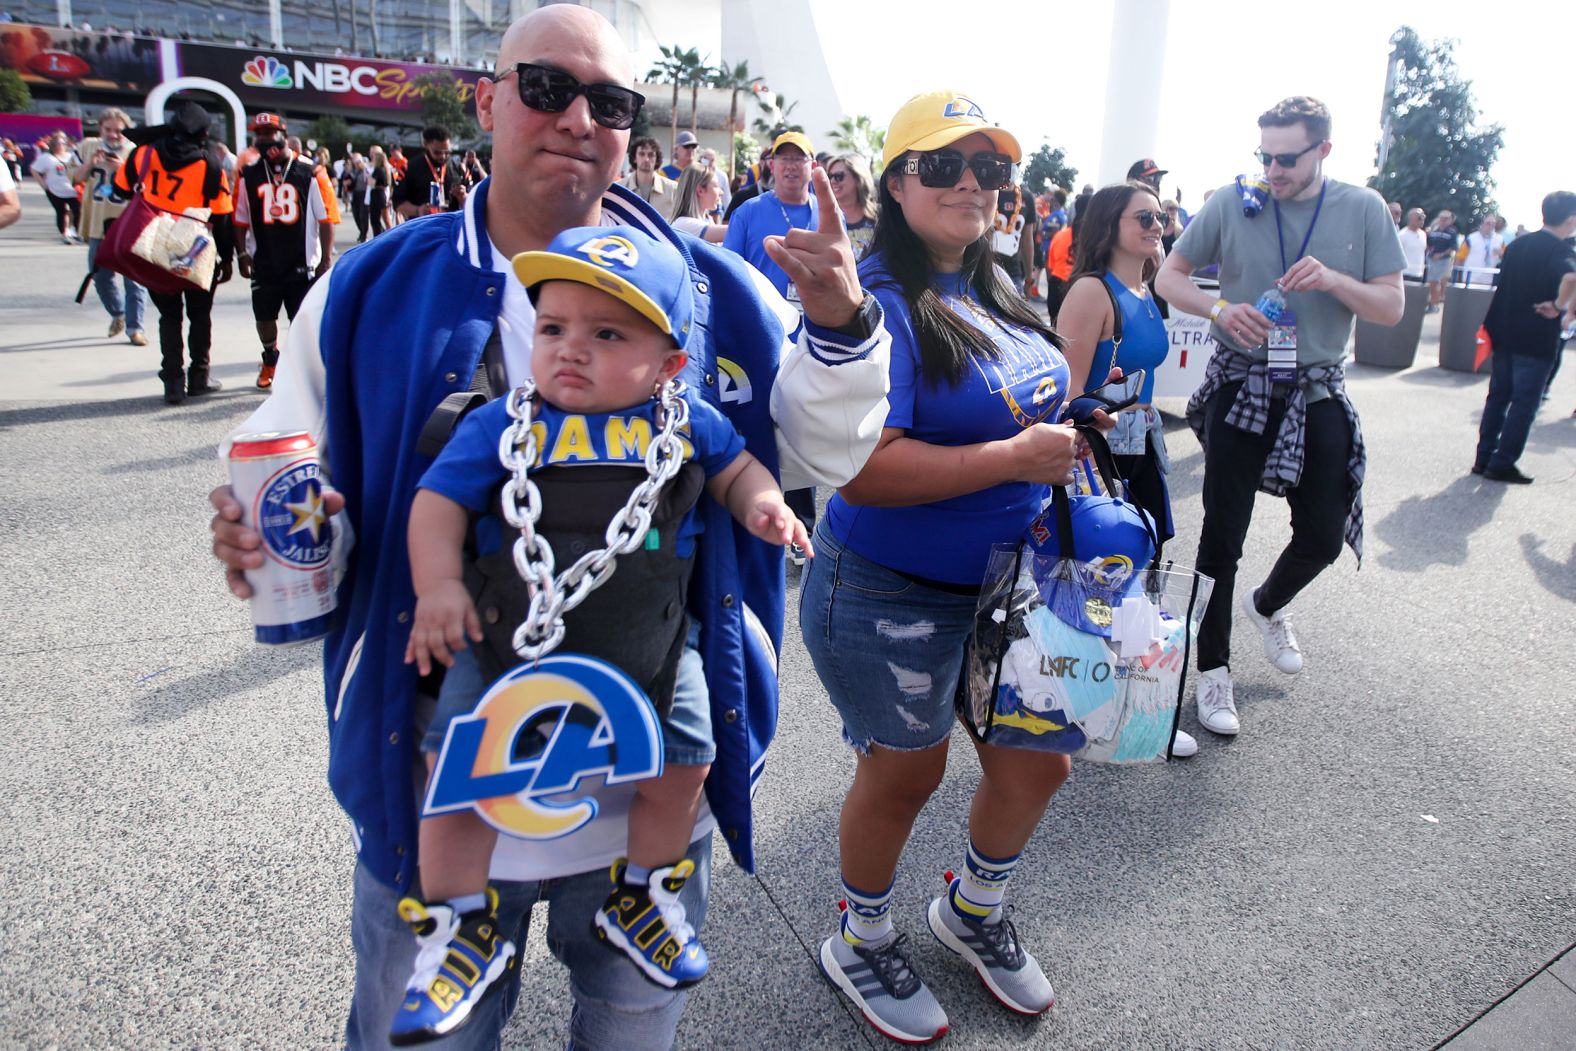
column 1278, row 420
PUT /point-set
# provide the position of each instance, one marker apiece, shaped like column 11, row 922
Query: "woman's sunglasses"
column 941, row 169
column 837, row 176
column 1148, row 220
column 551, row 90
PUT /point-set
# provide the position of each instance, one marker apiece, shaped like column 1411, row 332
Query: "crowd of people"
column 874, row 334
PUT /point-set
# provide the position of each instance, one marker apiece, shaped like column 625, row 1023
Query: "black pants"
column 1233, row 464
column 65, row 206
column 358, row 212
column 198, row 305
column 379, row 210
column 1146, row 484
column 802, row 503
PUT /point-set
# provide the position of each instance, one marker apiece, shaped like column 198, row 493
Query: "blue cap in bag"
column 1113, row 542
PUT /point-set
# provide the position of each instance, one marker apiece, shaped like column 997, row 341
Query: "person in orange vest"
column 174, row 168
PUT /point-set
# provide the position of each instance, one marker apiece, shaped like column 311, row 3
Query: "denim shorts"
column 888, row 649
column 686, row 732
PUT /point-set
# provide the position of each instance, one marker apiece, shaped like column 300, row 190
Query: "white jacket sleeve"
column 298, row 402
column 828, row 401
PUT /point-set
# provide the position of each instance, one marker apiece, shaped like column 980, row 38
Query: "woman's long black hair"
column 946, row 341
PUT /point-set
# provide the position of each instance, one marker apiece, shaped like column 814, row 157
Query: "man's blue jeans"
column 1515, row 389
column 110, row 295
column 615, row 1007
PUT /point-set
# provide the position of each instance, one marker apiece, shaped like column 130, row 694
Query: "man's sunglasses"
column 940, row 169
column 1148, row 220
column 551, row 90
column 266, row 145
column 1285, row 160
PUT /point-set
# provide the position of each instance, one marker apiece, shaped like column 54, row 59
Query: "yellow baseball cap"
column 940, row 118
column 793, row 138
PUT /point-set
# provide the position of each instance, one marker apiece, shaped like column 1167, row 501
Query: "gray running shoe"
column 885, row 989
column 1007, row 970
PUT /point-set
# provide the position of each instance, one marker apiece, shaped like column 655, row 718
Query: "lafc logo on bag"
column 535, row 735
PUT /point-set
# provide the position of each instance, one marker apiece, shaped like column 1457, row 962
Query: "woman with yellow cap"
column 965, row 461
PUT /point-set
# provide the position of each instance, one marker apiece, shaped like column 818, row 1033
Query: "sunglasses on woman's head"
column 942, row 169
column 549, row 90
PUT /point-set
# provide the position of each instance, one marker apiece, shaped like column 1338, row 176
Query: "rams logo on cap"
column 610, row 252
column 962, row 107
column 1112, row 571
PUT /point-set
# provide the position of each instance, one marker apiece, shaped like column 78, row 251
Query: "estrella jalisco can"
column 275, row 477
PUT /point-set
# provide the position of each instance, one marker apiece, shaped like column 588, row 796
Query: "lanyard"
column 1308, row 236
column 787, row 221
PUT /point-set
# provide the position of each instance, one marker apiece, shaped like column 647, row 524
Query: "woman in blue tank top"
column 970, row 449
column 1110, row 317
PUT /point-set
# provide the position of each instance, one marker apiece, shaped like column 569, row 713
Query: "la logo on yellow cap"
column 610, row 252
column 962, row 107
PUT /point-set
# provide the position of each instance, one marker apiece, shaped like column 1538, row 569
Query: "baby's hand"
column 774, row 522
column 444, row 618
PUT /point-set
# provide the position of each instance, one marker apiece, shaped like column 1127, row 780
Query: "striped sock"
column 978, row 893
column 868, row 917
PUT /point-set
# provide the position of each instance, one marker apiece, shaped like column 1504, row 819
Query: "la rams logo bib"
column 535, row 735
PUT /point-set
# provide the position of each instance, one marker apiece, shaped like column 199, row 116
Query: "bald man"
column 382, row 350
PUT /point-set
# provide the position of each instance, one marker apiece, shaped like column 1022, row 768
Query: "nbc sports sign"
column 293, row 81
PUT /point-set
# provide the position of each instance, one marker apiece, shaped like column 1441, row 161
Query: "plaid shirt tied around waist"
column 1251, row 412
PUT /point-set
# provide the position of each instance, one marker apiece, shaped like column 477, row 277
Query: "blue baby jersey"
column 950, row 540
column 469, row 472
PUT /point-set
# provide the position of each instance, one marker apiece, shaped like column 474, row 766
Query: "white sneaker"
column 1280, row 645
column 1217, row 711
column 1184, row 746
column 796, row 554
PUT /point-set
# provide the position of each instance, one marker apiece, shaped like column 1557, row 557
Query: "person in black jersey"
column 433, row 182
column 286, row 235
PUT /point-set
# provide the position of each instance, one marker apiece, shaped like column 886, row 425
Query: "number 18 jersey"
column 279, row 214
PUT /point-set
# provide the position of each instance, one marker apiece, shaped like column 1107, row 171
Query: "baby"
column 614, row 309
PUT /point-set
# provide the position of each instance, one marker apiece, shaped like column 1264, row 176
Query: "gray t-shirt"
column 1354, row 235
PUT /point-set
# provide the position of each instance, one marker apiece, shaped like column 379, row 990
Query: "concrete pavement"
column 1380, row 857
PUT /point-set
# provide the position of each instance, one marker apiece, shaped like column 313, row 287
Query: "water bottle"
column 1272, row 304
column 182, row 264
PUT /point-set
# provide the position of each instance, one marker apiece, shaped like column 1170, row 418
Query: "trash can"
column 1465, row 308
column 1394, row 346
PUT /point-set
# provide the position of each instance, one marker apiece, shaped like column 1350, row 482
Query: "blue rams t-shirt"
column 950, row 540
column 767, row 216
column 469, row 472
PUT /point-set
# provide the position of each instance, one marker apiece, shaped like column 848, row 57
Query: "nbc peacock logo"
column 266, row 73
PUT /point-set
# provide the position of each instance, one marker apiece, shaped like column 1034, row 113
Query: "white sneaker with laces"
column 1280, row 645
column 1217, row 711
column 1184, row 746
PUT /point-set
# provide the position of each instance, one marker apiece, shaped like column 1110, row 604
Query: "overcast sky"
column 1040, row 70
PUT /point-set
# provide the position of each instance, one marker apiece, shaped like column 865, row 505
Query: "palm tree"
column 733, row 80
column 697, row 74
column 857, row 134
column 776, row 121
column 670, row 69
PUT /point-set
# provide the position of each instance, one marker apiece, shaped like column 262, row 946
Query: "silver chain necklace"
column 552, row 597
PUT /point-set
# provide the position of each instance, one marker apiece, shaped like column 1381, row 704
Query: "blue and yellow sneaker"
column 457, row 960
column 646, row 923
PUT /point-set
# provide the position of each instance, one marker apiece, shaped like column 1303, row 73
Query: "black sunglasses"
column 1285, row 160
column 270, row 144
column 1148, row 220
column 552, row 91
column 943, row 168
column 837, row 176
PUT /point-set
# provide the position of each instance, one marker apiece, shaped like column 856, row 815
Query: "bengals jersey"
column 279, row 216
column 176, row 190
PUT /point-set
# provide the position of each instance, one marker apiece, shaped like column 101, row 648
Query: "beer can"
column 276, row 478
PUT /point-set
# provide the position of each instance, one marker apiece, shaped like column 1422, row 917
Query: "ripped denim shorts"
column 888, row 648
